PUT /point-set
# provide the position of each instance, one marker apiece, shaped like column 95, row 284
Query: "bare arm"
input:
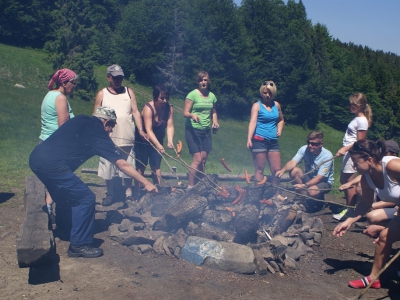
column 252, row 124
column 313, row 181
column 353, row 182
column 281, row 121
column 127, row 169
column 288, row 167
column 98, row 100
column 361, row 134
column 366, row 197
column 187, row 111
column 62, row 109
column 136, row 115
column 170, row 129
column 214, row 117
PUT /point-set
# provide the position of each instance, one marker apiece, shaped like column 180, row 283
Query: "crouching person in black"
column 55, row 160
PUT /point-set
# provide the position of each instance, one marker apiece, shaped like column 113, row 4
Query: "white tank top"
column 124, row 132
column 391, row 189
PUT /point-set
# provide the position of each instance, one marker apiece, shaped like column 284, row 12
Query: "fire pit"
column 202, row 226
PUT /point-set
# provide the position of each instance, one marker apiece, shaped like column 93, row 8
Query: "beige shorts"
column 348, row 165
column 107, row 170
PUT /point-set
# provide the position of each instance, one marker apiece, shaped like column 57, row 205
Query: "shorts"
column 107, row 170
column 348, row 165
column 390, row 211
column 324, row 187
column 265, row 145
column 146, row 154
column 198, row 140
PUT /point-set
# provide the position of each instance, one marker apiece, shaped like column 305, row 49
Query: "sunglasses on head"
column 315, row 144
column 358, row 147
column 268, row 82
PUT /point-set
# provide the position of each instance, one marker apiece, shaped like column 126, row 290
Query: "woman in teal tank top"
column 56, row 110
column 266, row 124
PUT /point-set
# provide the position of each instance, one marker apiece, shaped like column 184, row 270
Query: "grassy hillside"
column 20, row 121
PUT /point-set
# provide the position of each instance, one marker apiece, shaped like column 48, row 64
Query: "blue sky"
column 372, row 23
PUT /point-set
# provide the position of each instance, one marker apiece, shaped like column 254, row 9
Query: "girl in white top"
column 380, row 175
column 356, row 130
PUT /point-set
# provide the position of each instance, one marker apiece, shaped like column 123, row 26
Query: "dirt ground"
column 124, row 274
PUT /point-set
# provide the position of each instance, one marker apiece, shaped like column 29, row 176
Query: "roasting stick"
column 305, row 196
column 377, row 275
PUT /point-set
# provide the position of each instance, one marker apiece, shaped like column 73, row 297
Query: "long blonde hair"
column 360, row 99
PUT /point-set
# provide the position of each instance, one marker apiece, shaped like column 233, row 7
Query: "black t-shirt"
column 71, row 145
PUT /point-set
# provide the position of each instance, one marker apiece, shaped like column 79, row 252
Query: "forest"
column 169, row 41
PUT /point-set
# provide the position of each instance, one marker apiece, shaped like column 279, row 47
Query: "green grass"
column 20, row 122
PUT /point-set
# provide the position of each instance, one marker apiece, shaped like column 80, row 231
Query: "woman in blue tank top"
column 266, row 124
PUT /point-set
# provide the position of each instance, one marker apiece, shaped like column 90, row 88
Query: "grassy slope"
column 20, row 121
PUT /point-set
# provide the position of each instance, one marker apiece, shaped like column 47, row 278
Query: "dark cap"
column 392, row 146
column 115, row 70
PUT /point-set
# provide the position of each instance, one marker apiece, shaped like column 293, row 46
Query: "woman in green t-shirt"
column 201, row 115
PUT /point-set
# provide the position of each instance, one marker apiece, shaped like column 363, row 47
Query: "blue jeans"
column 68, row 187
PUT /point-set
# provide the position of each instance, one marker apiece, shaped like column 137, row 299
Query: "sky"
column 372, row 23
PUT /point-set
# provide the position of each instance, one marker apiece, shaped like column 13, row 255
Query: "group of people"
column 127, row 140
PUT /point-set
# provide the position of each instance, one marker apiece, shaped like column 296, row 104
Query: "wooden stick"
column 379, row 273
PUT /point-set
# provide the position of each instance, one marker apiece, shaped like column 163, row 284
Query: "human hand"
column 195, row 118
column 150, row 188
column 300, row 186
column 373, row 231
column 249, row 144
column 161, row 149
column 279, row 173
column 345, row 186
column 341, row 152
column 215, row 125
column 278, row 133
column 144, row 135
column 170, row 145
column 342, row 228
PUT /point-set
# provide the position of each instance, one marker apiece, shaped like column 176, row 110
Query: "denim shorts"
column 265, row 146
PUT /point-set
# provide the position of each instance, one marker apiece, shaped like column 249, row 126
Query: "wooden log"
column 285, row 220
column 208, row 231
column 35, row 242
column 182, row 212
column 262, row 266
column 221, row 218
column 246, row 224
column 183, row 176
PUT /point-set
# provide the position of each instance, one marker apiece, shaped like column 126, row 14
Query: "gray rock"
column 317, row 238
column 303, row 247
column 317, row 225
column 145, row 248
column 266, row 253
column 131, row 214
column 290, row 263
column 138, row 226
column 226, row 256
column 132, row 237
column 278, row 241
column 181, row 236
column 274, row 265
column 134, row 248
column 310, row 242
column 307, row 236
column 295, row 253
column 124, row 226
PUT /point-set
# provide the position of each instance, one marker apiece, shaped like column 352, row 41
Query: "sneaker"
column 108, row 200
column 85, row 251
column 340, row 215
column 363, row 282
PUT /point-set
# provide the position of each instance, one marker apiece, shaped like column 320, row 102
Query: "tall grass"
column 20, row 122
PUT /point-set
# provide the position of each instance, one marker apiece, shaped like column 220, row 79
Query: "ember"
column 205, row 226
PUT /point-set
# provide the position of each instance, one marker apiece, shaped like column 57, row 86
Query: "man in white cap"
column 123, row 101
column 55, row 160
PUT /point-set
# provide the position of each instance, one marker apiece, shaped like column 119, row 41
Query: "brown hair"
column 360, row 99
column 315, row 135
column 365, row 148
column 201, row 75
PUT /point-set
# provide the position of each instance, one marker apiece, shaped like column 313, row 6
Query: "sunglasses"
column 268, row 82
column 358, row 147
column 314, row 144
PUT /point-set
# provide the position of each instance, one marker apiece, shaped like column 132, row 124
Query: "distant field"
column 20, row 122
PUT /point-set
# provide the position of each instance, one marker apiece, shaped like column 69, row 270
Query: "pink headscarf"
column 60, row 77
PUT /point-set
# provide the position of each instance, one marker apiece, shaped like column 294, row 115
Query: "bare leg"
column 384, row 246
column 350, row 194
column 274, row 160
column 128, row 186
column 259, row 159
column 156, row 175
column 198, row 163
